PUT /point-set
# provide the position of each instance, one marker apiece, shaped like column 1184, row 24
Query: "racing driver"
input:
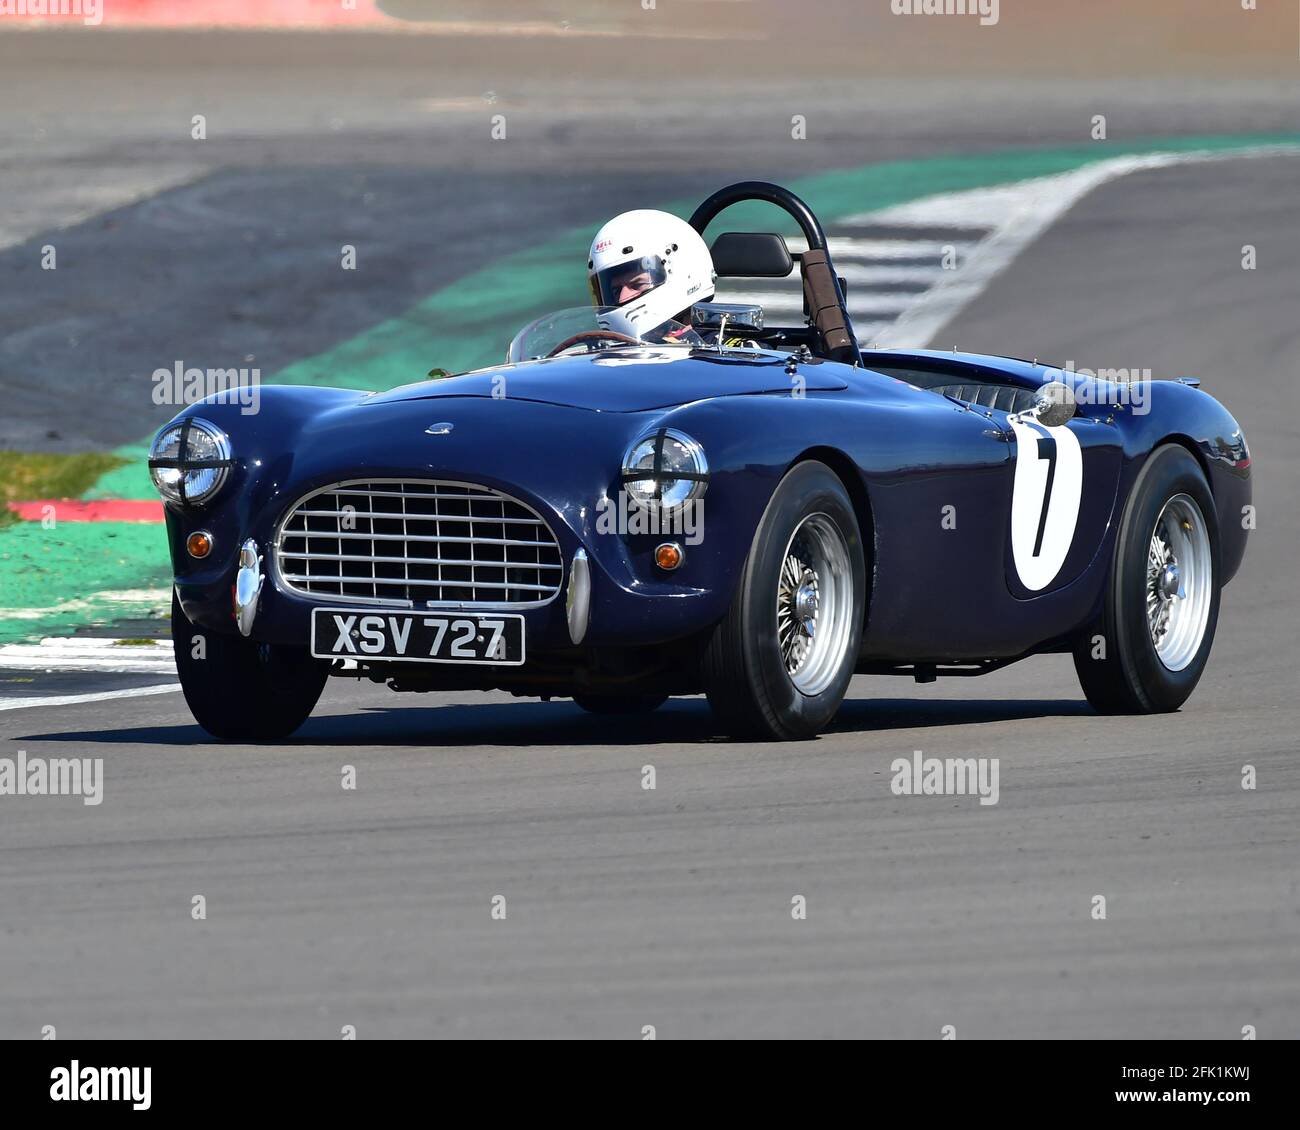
column 646, row 270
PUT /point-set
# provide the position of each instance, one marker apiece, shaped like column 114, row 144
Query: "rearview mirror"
column 1055, row 405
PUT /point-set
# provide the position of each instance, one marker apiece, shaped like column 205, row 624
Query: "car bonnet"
column 631, row 380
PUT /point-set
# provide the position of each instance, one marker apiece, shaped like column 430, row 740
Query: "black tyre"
column 240, row 690
column 779, row 663
column 1146, row 651
column 620, row 703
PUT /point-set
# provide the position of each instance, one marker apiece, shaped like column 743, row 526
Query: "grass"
column 28, row 475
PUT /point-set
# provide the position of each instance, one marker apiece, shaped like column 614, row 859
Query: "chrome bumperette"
column 578, row 600
column 248, row 586
column 433, row 543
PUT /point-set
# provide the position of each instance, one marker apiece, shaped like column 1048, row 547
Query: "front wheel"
column 779, row 663
column 1146, row 651
column 240, row 690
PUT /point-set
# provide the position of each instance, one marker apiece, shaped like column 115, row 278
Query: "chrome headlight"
column 189, row 461
column 664, row 470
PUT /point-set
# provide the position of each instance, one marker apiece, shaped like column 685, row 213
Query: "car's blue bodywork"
column 930, row 475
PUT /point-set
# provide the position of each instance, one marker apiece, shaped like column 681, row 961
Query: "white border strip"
column 1019, row 213
column 73, row 699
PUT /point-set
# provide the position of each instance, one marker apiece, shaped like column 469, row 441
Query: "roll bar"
column 823, row 297
column 783, row 198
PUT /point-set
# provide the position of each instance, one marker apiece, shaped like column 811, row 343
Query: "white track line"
column 864, row 273
column 869, row 249
column 865, row 262
column 1017, row 214
column 89, row 654
column 123, row 665
column 74, row 699
column 863, row 250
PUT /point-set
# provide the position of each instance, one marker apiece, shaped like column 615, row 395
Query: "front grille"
column 419, row 542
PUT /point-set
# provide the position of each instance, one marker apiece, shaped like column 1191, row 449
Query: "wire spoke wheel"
column 1179, row 580
column 1160, row 607
column 814, row 604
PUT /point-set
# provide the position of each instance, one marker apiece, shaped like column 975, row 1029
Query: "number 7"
column 1046, row 450
column 494, row 649
column 441, row 627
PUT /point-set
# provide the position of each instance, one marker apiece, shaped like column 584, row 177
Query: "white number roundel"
column 1044, row 501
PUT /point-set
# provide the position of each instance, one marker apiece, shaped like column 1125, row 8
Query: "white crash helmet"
column 651, row 265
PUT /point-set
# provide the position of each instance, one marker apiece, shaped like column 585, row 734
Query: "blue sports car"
column 621, row 513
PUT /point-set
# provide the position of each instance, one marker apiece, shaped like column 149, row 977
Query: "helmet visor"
column 620, row 284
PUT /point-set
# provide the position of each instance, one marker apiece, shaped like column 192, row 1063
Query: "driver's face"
column 633, row 287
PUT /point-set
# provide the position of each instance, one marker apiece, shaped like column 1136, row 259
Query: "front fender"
column 1178, row 413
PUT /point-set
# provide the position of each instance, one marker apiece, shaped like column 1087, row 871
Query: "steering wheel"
column 592, row 335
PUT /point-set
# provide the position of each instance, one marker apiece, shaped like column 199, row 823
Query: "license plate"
column 417, row 637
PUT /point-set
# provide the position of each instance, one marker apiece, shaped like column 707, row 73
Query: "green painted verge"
column 80, row 573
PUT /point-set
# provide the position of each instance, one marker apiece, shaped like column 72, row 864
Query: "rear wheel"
column 620, row 703
column 1147, row 649
column 240, row 690
column 779, row 663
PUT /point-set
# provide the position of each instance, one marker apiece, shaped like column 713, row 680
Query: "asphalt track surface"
column 672, row 907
